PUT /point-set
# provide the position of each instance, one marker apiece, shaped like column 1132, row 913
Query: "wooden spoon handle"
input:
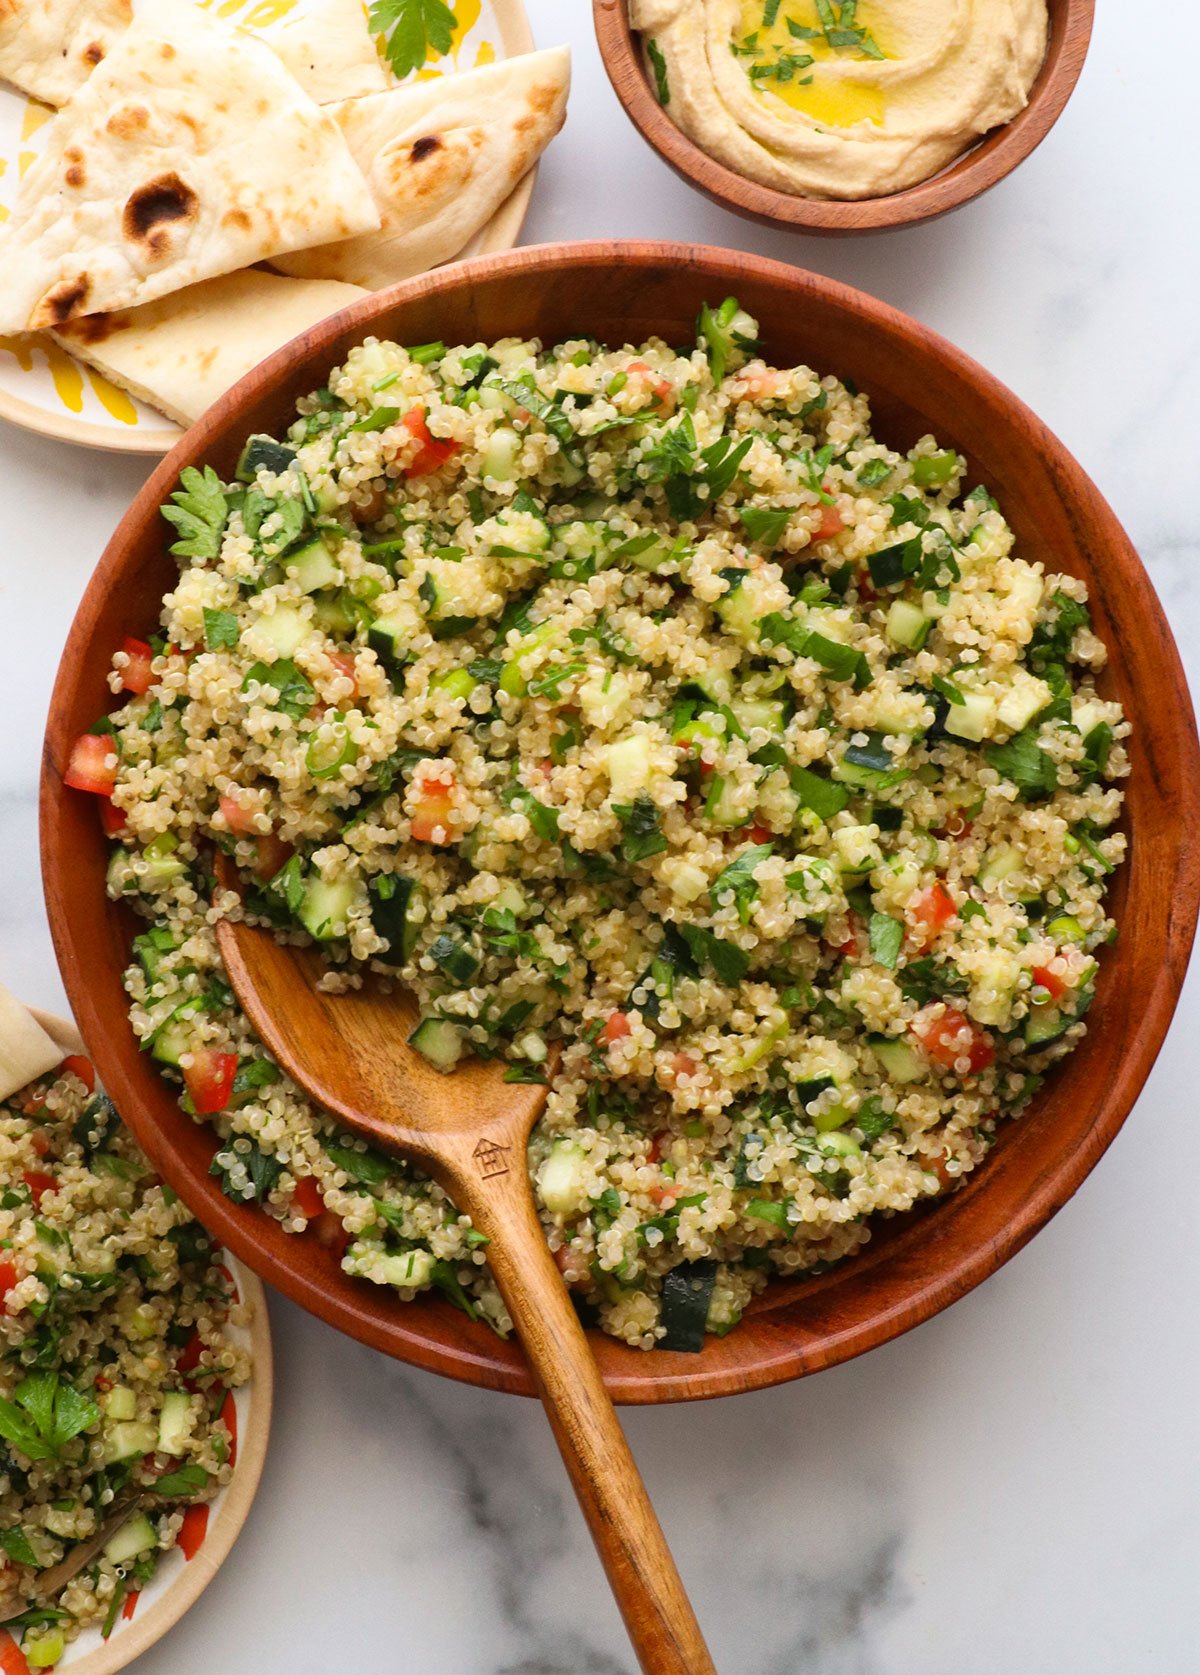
column 632, row 1547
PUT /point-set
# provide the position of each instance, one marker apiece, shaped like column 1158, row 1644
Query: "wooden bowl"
column 178, row 1583
column 622, row 293
column 972, row 174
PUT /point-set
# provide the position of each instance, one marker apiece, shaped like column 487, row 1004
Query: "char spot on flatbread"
column 62, row 302
column 425, row 147
column 94, row 53
column 96, row 328
column 75, row 173
column 127, row 122
column 156, row 206
column 236, row 218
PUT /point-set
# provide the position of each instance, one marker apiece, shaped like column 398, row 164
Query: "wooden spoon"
column 469, row 1131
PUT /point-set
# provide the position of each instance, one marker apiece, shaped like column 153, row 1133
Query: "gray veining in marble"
column 1015, row 1488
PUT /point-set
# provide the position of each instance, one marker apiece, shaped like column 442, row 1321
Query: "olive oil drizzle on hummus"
column 795, row 50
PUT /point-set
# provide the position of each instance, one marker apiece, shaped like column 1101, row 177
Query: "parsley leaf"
column 1025, row 763
column 886, row 937
column 765, row 523
column 658, row 62
column 419, row 29
column 182, row 1483
column 641, row 823
column 738, row 878
column 199, row 511
column 296, row 696
column 263, row 1169
column 45, row 1415
column 221, row 629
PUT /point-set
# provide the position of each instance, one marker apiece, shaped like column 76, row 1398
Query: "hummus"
column 847, row 100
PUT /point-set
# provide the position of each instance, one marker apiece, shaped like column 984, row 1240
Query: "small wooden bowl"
column 971, row 175
column 623, row 293
column 178, row 1583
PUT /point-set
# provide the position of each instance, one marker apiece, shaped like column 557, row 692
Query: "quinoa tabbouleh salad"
column 117, row 1367
column 640, row 699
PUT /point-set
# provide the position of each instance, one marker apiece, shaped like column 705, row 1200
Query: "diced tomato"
column 945, row 1034
column 39, row 1185
column 228, row 1418
column 1054, row 985
column 664, row 1194
column 193, row 1530
column 12, row 1658
column 9, row 1278
column 831, row 524
column 683, row 1064
column 758, row 833
column 271, row 855
column 112, row 819
column 929, row 912
column 81, row 1067
column 660, row 388
column 616, row 1028
column 189, row 1355
column 851, row 948
column 130, row 1605
column 307, row 1197
column 662, row 1139
column 40, row 1141
column 331, row 1234
column 346, row 664
column 866, row 590
column 222, row 1268
column 432, row 452
column 34, row 1101
column 432, row 814
column 209, row 1080
column 238, row 817
column 88, row 769
column 137, row 674
column 103, row 1384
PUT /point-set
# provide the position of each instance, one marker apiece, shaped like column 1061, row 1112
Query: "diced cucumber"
column 827, row 1122
column 312, row 566
column 857, row 852
column 1044, row 1025
column 500, row 454
column 687, row 1293
column 129, row 1439
column 120, row 1402
column 456, row 683
column 412, row 1269
column 510, row 898
column 44, row 1647
column 136, row 1535
column 721, row 806
column 512, row 676
column 973, row 719
column 446, row 612
column 714, row 688
column 767, row 713
column 453, row 951
column 284, row 630
column 532, row 1046
column 998, row 864
column 171, row 1041
column 1027, row 696
column 744, row 606
column 629, row 766
column 397, row 912
column 175, row 1422
column 439, row 1041
column 562, row 1179
column 901, row 1062
column 391, row 633
column 1066, row 928
column 324, row 912
column 263, row 453
column 161, row 867
column 906, row 625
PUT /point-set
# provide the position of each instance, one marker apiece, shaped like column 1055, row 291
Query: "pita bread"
column 50, row 47
column 189, row 152
column 328, row 48
column 180, row 353
column 26, row 1050
column 441, row 156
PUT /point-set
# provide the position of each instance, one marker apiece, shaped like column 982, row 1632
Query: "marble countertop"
column 1016, row 1485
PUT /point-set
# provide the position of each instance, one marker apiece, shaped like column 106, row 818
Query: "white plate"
column 179, row 1582
column 44, row 389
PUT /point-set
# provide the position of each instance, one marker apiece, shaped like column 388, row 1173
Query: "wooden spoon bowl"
column 974, row 173
column 919, row 1262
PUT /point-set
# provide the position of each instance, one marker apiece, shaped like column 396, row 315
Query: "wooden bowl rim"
column 501, row 233
column 968, row 177
column 783, row 1347
column 254, row 1432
